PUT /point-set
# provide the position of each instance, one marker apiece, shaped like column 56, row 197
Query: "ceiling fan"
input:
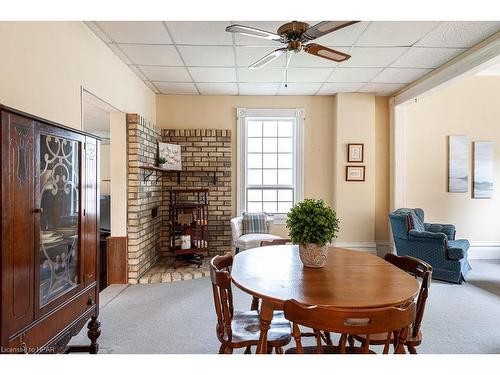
column 295, row 34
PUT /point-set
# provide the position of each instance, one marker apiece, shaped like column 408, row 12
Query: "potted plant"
column 162, row 161
column 312, row 225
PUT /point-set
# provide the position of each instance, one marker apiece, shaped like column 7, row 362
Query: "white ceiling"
column 201, row 58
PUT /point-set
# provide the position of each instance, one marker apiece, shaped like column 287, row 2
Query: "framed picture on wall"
column 355, row 152
column 355, row 173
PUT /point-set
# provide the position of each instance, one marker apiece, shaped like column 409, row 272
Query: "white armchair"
column 243, row 242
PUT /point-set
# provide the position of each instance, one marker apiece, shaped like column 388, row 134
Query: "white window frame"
column 243, row 114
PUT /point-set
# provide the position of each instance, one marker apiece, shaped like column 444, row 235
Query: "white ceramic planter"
column 313, row 255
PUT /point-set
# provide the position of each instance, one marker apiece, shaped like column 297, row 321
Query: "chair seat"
column 329, row 349
column 379, row 339
column 246, row 327
column 252, row 240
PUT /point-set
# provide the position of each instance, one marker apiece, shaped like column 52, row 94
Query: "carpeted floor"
column 180, row 318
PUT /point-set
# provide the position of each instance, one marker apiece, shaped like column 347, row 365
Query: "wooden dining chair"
column 367, row 322
column 420, row 270
column 237, row 329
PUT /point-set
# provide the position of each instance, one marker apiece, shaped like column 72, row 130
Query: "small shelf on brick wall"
column 160, row 172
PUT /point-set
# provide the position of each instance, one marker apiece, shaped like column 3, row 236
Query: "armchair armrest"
column 425, row 236
column 447, row 229
column 455, row 253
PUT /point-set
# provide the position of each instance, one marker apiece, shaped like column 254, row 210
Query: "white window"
column 270, row 160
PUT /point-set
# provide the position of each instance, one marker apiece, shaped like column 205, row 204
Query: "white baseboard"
column 369, row 247
column 484, row 250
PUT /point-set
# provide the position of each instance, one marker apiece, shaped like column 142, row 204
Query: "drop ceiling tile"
column 394, row 33
column 207, row 55
column 147, row 32
column 421, row 57
column 259, row 88
column 299, row 89
column 306, row 60
column 218, row 88
column 354, row 74
column 246, row 56
column 200, row 32
column 213, row 74
column 373, row 57
column 344, row 37
column 264, row 74
column 245, row 40
column 459, row 34
column 166, row 73
column 176, row 88
column 400, row 75
column 382, row 89
column 333, row 88
column 146, row 54
column 310, row 75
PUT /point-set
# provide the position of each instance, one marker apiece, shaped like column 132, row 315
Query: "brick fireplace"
column 205, row 153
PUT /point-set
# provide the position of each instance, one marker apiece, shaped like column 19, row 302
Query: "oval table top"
column 350, row 279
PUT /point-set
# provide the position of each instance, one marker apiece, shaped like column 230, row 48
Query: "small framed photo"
column 355, row 152
column 356, row 173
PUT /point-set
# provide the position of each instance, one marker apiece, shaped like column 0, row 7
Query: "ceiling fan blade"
column 325, row 27
column 327, row 53
column 268, row 58
column 252, row 31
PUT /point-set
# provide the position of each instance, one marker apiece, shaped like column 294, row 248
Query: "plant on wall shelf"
column 312, row 225
column 162, row 161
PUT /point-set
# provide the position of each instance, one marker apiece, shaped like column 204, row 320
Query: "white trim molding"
column 468, row 63
column 368, row 247
column 484, row 250
column 242, row 114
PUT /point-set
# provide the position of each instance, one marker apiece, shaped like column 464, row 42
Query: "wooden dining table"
column 350, row 279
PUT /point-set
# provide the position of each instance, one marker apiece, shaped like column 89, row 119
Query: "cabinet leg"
column 94, row 331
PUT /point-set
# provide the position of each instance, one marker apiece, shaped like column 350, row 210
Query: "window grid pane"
column 270, row 165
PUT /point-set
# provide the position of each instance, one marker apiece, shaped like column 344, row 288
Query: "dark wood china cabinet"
column 49, row 237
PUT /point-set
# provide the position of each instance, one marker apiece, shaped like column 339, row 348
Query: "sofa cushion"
column 457, row 249
column 254, row 223
column 417, row 222
column 252, row 240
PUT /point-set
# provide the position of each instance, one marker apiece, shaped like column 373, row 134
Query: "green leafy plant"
column 162, row 160
column 312, row 221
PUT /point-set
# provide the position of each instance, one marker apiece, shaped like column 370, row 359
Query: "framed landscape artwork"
column 483, row 170
column 458, row 164
column 355, row 173
column 355, row 152
column 172, row 153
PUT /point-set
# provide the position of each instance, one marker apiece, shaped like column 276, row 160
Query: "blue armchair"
column 433, row 243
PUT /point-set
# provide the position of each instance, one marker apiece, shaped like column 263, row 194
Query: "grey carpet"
column 179, row 317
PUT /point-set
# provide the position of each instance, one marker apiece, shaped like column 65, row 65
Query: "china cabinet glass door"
column 59, row 210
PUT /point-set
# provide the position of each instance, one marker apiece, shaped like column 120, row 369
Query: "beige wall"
column 471, row 108
column 355, row 201
column 362, row 118
column 45, row 64
column 382, row 168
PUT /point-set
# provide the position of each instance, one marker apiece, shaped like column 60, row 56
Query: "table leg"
column 266, row 315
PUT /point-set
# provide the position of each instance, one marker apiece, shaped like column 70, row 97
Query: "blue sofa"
column 433, row 243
